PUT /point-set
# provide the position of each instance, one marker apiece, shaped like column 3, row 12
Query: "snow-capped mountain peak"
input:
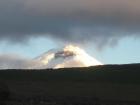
column 69, row 56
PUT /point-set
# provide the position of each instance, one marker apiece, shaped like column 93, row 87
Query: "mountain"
column 69, row 56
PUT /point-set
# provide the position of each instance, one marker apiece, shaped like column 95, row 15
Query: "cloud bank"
column 100, row 21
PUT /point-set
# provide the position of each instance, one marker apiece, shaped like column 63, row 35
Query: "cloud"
column 12, row 61
column 100, row 21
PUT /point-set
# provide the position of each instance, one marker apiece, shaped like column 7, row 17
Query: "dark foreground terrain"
column 99, row 85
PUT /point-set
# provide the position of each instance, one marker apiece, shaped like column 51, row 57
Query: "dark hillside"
column 99, row 85
column 129, row 73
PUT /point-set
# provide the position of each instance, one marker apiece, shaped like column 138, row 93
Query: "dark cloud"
column 100, row 21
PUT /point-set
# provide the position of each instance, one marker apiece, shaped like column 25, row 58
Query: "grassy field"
column 101, row 85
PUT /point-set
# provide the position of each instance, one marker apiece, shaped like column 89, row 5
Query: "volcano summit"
column 69, row 56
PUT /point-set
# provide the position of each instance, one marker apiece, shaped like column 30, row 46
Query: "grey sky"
column 100, row 21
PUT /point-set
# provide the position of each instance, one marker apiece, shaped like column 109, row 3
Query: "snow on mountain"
column 69, row 56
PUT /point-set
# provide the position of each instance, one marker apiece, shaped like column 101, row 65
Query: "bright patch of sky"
column 36, row 47
column 127, row 51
